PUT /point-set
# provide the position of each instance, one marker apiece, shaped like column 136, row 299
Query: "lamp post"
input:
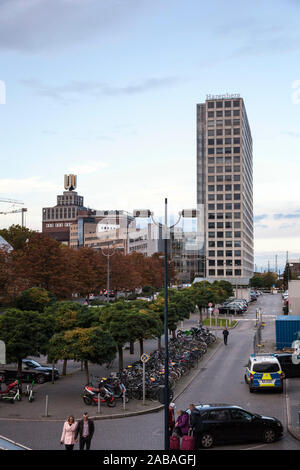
column 108, row 255
column 146, row 213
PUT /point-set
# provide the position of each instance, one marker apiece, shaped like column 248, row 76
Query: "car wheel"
column 245, row 377
column 269, row 435
column 207, row 440
column 251, row 390
column 40, row 379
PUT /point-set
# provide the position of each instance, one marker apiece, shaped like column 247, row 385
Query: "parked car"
column 231, row 309
column 288, row 367
column 231, row 424
column 31, row 370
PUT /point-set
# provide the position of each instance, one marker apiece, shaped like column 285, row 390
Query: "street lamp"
column 108, row 255
column 145, row 213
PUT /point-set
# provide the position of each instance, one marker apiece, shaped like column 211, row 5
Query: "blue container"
column 287, row 327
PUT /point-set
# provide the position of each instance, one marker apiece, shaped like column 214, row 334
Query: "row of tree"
column 38, row 260
column 67, row 330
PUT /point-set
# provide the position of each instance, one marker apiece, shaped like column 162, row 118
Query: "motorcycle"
column 117, row 388
column 12, row 392
column 90, row 395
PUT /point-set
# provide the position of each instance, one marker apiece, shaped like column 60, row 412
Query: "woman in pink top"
column 68, row 433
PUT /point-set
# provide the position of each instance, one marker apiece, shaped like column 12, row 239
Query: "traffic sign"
column 145, row 357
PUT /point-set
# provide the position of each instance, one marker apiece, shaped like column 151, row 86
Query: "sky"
column 107, row 89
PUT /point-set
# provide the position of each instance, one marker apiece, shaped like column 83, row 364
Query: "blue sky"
column 108, row 89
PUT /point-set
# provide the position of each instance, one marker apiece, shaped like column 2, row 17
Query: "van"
column 263, row 372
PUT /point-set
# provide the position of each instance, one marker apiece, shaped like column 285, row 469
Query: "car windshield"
column 266, row 367
column 32, row 364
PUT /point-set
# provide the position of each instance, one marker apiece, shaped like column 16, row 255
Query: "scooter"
column 117, row 388
column 12, row 392
column 90, row 395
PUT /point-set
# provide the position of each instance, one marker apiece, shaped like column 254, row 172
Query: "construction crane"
column 13, row 211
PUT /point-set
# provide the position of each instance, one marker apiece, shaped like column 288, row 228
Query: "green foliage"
column 35, row 298
column 16, row 236
column 24, row 333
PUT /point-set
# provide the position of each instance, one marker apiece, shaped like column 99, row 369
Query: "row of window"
column 225, row 187
column 219, row 132
column 229, row 262
column 221, row 150
column 221, row 215
column 227, row 141
column 220, row 197
column 212, row 225
column 227, row 104
column 220, row 272
column 221, row 178
column 228, row 244
column 225, row 122
column 227, row 113
column 228, row 206
column 224, row 234
column 221, row 169
column 221, row 262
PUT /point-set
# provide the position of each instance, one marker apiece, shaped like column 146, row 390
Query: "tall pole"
column 166, row 394
column 107, row 280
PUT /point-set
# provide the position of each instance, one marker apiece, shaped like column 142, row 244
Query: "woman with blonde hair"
column 68, row 433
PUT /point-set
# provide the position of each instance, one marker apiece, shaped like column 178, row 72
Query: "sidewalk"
column 64, row 398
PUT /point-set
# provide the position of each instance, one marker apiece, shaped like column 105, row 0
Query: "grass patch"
column 219, row 322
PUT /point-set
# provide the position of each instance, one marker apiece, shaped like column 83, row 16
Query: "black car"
column 288, row 367
column 31, row 370
column 232, row 424
column 30, row 364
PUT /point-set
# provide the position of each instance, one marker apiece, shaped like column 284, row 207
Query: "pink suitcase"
column 174, row 443
column 187, row 443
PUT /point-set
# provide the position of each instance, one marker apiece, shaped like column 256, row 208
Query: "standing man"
column 196, row 425
column 85, row 429
column 225, row 334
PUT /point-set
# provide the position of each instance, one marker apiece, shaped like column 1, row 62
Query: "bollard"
column 124, row 400
column 46, row 408
column 99, row 404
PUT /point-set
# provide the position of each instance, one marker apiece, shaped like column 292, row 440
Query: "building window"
column 219, row 132
column 220, row 197
column 211, row 197
column 238, row 262
column 211, row 262
column 210, row 104
column 219, row 178
column 211, row 187
column 228, row 234
column 220, row 244
column 228, row 131
column 219, row 104
column 219, row 122
column 219, row 141
column 220, row 272
column 220, row 253
column 236, row 112
column 237, row 206
column 236, row 177
column 220, row 234
column 220, row 225
column 211, row 272
column 228, row 197
column 237, row 215
column 211, row 207
column 228, row 224
column 220, row 262
column 211, row 160
column 237, row 187
column 238, row 272
column 219, row 169
column 211, row 216
column 211, row 169
column 227, row 122
column 236, row 131
column 228, row 206
column 210, row 179
column 236, row 245
column 211, row 225
column 211, row 244
column 237, row 253
column 236, row 168
column 227, row 142
column 220, row 207
column 228, row 272
column 219, row 187
column 237, row 234
column 210, row 123
column 228, row 187
column 236, row 122
column 227, row 104
column 228, row 243
column 229, row 253
column 228, row 113
column 219, row 114
column 236, row 103
column 220, row 216
column 227, row 149
column 211, row 151
column 211, row 142
column 236, row 149
column 211, row 253
column 219, row 160
column 210, row 114
column 210, row 132
column 211, row 234
column 237, row 197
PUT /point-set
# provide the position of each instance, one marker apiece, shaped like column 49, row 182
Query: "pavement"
column 64, row 396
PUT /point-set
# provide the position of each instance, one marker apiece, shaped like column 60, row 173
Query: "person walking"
column 182, row 423
column 68, row 433
column 196, row 424
column 225, row 335
column 171, row 418
column 85, row 429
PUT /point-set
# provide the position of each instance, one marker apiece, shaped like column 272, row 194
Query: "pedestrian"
column 68, row 433
column 196, row 424
column 85, row 429
column 171, row 418
column 225, row 335
column 182, row 424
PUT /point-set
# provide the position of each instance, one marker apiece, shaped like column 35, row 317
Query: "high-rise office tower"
column 225, row 188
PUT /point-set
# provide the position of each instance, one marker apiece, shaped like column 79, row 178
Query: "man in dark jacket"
column 225, row 334
column 85, row 429
column 196, row 425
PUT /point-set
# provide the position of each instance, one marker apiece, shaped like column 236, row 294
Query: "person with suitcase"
column 182, row 423
column 196, row 425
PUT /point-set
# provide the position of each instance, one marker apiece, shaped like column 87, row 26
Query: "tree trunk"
column 87, row 375
column 141, row 341
column 201, row 314
column 64, row 371
column 174, row 334
column 120, row 351
column 159, row 343
column 19, row 373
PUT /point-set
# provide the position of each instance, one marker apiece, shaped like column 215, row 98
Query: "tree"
column 35, row 298
column 24, row 334
column 257, row 281
column 16, row 236
column 85, row 344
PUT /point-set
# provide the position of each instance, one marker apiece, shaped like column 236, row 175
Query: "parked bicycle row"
column 185, row 351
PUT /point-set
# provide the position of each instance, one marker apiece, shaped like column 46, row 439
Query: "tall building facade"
column 225, row 188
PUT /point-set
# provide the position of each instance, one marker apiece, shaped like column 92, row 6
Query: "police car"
column 263, row 372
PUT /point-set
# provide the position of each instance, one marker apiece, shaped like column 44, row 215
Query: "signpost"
column 144, row 358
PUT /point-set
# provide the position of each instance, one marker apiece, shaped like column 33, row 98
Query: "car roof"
column 215, row 406
column 266, row 358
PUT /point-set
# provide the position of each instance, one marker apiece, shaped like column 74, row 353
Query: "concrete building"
column 225, row 188
column 294, row 297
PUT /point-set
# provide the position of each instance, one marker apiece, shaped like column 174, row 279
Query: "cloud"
column 258, row 218
column 66, row 93
column 35, row 25
column 87, row 168
column 295, row 215
column 34, row 184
